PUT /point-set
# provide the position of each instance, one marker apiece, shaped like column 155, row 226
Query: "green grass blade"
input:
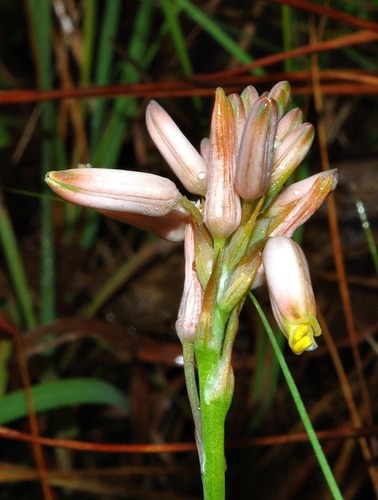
column 59, row 394
column 104, row 63
column 6, row 351
column 287, row 34
column 171, row 16
column 89, row 36
column 173, row 26
column 15, row 265
column 322, row 460
column 115, row 281
column 216, row 32
column 40, row 13
column 368, row 232
column 108, row 150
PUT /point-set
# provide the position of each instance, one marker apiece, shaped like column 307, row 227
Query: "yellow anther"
column 302, row 339
column 300, row 332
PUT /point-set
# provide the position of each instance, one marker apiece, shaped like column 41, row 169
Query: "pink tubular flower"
column 181, row 156
column 192, row 297
column 281, row 93
column 222, row 210
column 289, row 153
column 255, row 156
column 299, row 200
column 288, row 123
column 305, row 196
column 291, row 293
column 239, row 114
column 144, row 198
column 118, row 190
column 249, row 96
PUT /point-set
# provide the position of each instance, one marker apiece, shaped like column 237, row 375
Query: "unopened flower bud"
column 254, row 162
column 281, row 93
column 306, row 196
column 192, row 298
column 204, row 254
column 291, row 293
column 249, row 96
column 287, row 156
column 288, row 123
column 239, row 113
column 179, row 153
column 222, row 211
column 116, row 190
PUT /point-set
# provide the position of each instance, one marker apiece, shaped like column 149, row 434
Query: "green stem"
column 216, row 389
column 216, row 380
column 213, row 461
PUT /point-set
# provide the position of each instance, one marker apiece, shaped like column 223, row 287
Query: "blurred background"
column 88, row 350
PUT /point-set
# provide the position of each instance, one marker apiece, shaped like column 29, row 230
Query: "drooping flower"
column 291, row 293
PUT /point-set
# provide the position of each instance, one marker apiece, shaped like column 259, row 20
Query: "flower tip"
column 281, row 92
column 248, row 97
column 59, row 178
column 335, row 177
column 49, row 175
column 49, row 179
column 152, row 106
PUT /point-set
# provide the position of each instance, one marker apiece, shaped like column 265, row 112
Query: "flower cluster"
column 237, row 231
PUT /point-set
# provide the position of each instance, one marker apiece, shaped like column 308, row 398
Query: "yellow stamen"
column 302, row 339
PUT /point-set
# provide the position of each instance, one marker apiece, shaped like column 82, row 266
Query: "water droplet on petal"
column 201, row 175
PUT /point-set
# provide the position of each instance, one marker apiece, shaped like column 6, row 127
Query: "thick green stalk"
column 213, row 461
column 212, row 344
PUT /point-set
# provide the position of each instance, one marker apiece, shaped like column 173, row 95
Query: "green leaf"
column 59, row 394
